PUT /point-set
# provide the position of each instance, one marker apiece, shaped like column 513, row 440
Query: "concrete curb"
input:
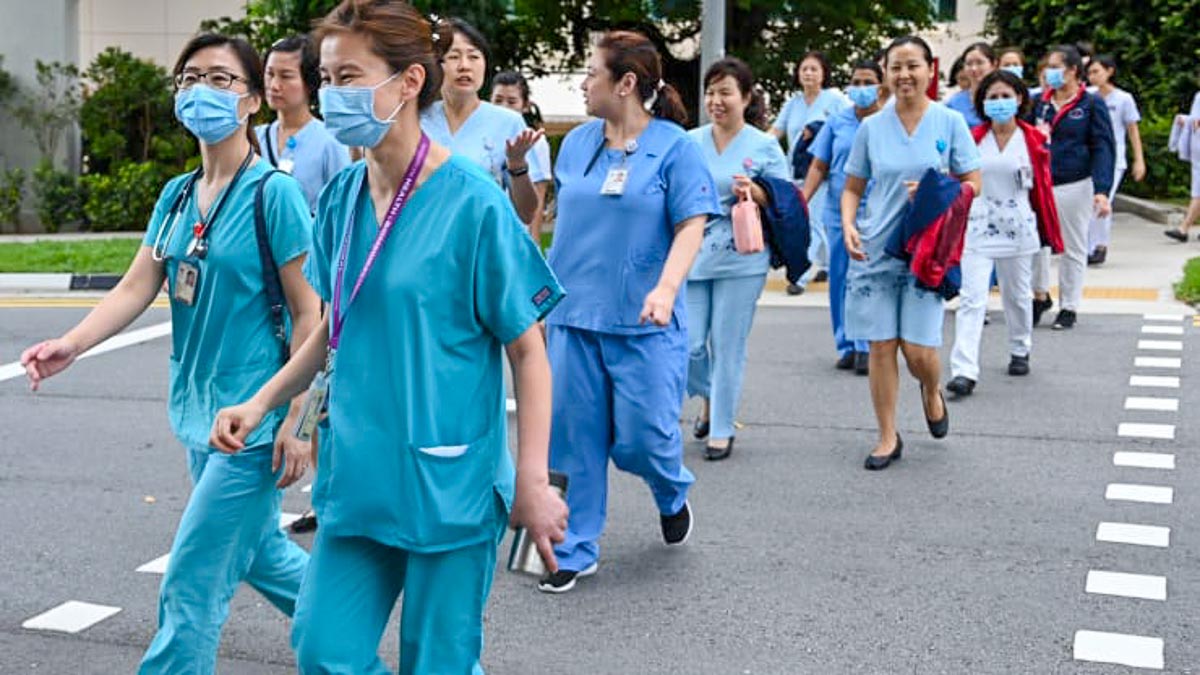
column 1144, row 208
column 35, row 283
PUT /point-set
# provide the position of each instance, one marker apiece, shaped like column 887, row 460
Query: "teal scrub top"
column 885, row 153
column 418, row 446
column 754, row 154
column 797, row 113
column 609, row 250
column 223, row 346
column 482, row 137
column 317, row 155
column 832, row 146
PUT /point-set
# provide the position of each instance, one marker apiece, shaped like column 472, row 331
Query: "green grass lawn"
column 102, row 256
column 1188, row 290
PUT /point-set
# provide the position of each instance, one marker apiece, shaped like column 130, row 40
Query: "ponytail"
column 630, row 52
column 666, row 103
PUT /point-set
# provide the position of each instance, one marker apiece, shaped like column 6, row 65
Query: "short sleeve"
column 964, row 154
column 329, row 210
column 858, row 164
column 541, row 152
column 289, row 222
column 689, row 183
column 1131, row 114
column 774, row 164
column 781, row 121
column 166, row 199
column 822, row 145
column 514, row 287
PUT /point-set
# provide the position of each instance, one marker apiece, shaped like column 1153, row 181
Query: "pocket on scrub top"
column 639, row 276
column 452, row 496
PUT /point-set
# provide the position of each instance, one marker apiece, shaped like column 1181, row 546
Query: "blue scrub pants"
column 818, row 243
column 229, row 533
column 720, row 314
column 618, row 397
column 839, row 264
column 352, row 586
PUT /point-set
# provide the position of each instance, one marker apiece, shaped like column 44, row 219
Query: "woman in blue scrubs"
column 830, row 151
column 724, row 284
column 297, row 143
column 884, row 306
column 493, row 137
column 633, row 196
column 429, row 276
column 224, row 346
column 978, row 61
column 511, row 90
column 817, row 101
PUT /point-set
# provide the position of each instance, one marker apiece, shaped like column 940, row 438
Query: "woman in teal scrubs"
column 429, row 276
column 224, row 346
column 724, row 284
column 894, row 148
column 493, row 137
column 633, row 196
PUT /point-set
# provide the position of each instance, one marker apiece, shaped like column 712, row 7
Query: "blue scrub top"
column 832, row 146
column 884, row 152
column 482, row 137
column 754, row 154
column 318, row 156
column 609, row 250
column 418, row 445
column 797, row 114
column 963, row 104
column 223, row 346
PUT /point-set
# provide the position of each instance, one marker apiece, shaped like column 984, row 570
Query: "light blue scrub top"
column 316, row 153
column 482, row 137
column 754, row 154
column 797, row 114
column 832, row 146
column 609, row 250
column 418, row 455
column 223, row 346
column 884, row 152
column 962, row 104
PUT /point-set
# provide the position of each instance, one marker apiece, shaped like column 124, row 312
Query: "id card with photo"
column 614, row 183
column 187, row 283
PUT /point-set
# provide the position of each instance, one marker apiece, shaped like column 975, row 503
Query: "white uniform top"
column 1002, row 222
column 1123, row 111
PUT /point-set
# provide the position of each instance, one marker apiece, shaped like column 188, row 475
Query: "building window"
column 944, row 10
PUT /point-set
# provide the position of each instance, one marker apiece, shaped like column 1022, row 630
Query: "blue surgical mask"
column 1054, row 77
column 349, row 114
column 1019, row 71
column 864, row 96
column 1000, row 109
column 211, row 115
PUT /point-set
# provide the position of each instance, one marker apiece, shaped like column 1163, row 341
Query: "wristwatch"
column 517, row 173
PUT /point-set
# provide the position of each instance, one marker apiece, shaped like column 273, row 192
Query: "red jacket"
column 1042, row 195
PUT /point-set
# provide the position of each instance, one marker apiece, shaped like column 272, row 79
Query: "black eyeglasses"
column 217, row 79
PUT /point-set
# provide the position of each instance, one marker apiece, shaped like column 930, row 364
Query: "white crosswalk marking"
column 1147, row 494
column 1135, row 535
column 156, row 566
column 1137, row 430
column 71, row 617
column 1144, row 460
column 1162, row 330
column 1162, row 381
column 1143, row 586
column 1160, row 345
column 1158, row 362
column 1152, row 403
column 1125, row 650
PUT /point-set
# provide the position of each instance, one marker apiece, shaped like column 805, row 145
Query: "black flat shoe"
column 862, row 363
column 960, row 386
column 845, row 361
column 795, row 289
column 1176, row 234
column 717, row 454
column 937, row 428
column 305, row 523
column 878, row 463
column 1040, row 307
column 700, row 429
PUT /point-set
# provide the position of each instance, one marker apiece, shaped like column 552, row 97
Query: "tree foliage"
column 1156, row 42
column 50, row 109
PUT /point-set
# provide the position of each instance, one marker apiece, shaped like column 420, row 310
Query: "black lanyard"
column 202, row 230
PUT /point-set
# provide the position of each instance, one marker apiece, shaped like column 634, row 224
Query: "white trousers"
column 1015, row 275
column 1075, row 210
column 1100, row 231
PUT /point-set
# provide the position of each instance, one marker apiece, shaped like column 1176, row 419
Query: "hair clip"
column 660, row 85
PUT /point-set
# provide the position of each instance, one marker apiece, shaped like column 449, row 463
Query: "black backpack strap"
column 270, row 147
column 271, row 283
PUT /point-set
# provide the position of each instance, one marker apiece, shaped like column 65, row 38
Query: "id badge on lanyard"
column 614, row 182
column 187, row 282
column 315, row 404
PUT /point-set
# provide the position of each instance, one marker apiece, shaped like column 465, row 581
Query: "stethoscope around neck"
column 159, row 251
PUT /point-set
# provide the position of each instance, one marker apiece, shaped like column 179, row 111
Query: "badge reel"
column 287, row 164
column 618, row 176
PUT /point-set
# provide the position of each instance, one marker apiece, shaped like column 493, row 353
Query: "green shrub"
column 1188, row 289
column 123, row 200
column 59, row 196
column 1166, row 175
column 12, row 187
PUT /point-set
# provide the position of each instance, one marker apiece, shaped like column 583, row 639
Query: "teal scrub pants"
column 616, row 397
column 352, row 587
column 229, row 533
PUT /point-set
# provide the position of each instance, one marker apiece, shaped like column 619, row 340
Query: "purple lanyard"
column 393, row 214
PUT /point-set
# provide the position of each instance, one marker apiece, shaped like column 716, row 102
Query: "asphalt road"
column 969, row 556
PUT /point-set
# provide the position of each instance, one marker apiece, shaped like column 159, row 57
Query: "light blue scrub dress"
column 832, row 146
column 316, row 154
column 416, row 487
column 724, row 285
column 962, row 103
column 882, row 299
column 795, row 116
column 619, row 384
column 223, row 349
column 482, row 137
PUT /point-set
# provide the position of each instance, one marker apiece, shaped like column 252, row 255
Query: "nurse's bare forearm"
column 817, row 171
column 305, row 308
column 531, row 378
column 1135, row 139
column 975, row 179
column 688, row 236
column 124, row 303
column 851, row 195
column 295, row 376
column 524, row 197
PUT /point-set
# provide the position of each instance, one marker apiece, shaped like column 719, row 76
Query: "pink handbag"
column 747, row 226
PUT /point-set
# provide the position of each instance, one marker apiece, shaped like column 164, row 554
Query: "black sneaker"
column 677, row 528
column 795, row 289
column 862, row 363
column 960, row 386
column 1065, row 320
column 564, row 580
column 1176, row 234
column 1018, row 365
column 305, row 523
column 1040, row 307
column 1098, row 256
column 845, row 362
column 821, row 276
